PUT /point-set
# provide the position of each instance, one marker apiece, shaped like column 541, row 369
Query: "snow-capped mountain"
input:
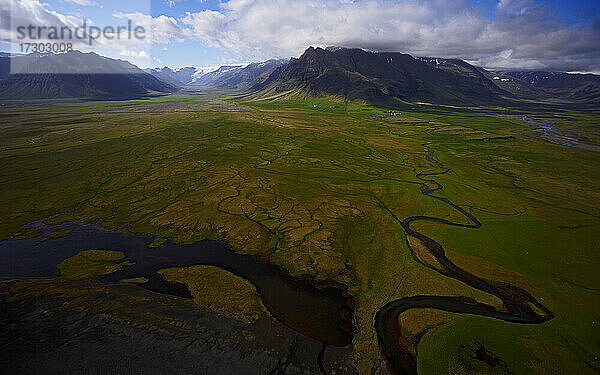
column 237, row 76
column 209, row 77
column 179, row 76
column 218, row 77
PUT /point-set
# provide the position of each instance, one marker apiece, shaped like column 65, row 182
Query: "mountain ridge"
column 74, row 75
column 377, row 77
column 352, row 73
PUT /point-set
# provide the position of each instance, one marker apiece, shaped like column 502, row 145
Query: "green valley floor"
column 319, row 188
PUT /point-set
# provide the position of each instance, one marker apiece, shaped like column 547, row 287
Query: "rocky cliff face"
column 380, row 77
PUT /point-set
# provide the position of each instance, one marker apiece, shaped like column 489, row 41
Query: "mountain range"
column 238, row 77
column 576, row 87
column 74, row 75
column 176, row 77
column 375, row 77
column 224, row 77
column 379, row 77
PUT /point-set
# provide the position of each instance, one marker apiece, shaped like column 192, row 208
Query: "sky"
column 496, row 34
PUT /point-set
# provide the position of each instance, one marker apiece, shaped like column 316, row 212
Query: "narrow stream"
column 322, row 311
column 401, row 353
column 550, row 132
column 518, row 305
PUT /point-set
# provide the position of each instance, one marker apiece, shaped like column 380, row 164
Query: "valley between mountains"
column 344, row 212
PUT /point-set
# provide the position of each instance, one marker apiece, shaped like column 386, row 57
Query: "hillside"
column 175, row 77
column 237, row 76
column 74, row 74
column 379, row 77
column 576, row 87
column 376, row 77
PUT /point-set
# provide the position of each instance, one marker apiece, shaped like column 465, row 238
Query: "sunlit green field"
column 319, row 183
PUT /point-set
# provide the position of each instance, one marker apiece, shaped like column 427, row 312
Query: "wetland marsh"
column 330, row 202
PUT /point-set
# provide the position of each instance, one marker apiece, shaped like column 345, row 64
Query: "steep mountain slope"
column 74, row 74
column 577, row 87
column 4, row 65
column 175, row 77
column 516, row 86
column 211, row 79
column 512, row 85
column 379, row 77
column 452, row 65
column 237, row 76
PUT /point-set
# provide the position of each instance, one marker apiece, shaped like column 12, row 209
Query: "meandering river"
column 323, row 311
column 518, row 305
column 548, row 131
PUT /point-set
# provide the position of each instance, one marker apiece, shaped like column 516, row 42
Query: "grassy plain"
column 215, row 289
column 319, row 183
column 89, row 263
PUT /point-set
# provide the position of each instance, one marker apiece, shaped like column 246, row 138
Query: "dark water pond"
column 317, row 310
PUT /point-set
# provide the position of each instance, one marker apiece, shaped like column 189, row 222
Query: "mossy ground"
column 89, row 263
column 215, row 289
column 324, row 183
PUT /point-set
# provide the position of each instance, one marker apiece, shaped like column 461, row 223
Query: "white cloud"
column 209, row 26
column 23, row 13
column 161, row 29
column 133, row 53
column 281, row 28
column 81, row 2
column 261, row 29
column 15, row 13
column 513, row 5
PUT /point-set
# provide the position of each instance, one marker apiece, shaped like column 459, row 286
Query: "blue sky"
column 511, row 34
column 569, row 11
